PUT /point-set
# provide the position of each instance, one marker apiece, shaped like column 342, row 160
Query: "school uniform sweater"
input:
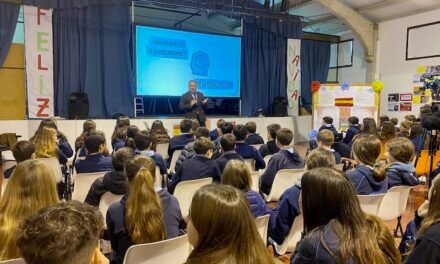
column 187, row 153
column 284, row 159
column 257, row 204
column 269, row 148
column 249, row 152
column 179, row 142
column 158, row 159
column 254, row 139
column 401, row 174
column 227, row 156
column 352, row 131
column 113, row 181
column 117, row 144
column 427, row 247
column 213, row 135
column 364, row 183
column 94, row 163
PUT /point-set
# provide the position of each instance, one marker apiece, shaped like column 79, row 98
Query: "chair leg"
column 398, row 227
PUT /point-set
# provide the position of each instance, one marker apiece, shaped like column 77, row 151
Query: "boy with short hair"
column 353, row 130
column 244, row 150
column 198, row 167
column 327, row 123
column 325, row 139
column 95, row 161
column 253, row 138
column 286, row 158
column 22, row 150
column 216, row 132
column 188, row 151
column 270, row 147
column 179, row 142
column 227, row 142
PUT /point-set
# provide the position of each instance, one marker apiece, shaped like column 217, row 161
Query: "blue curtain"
column 315, row 62
column 264, row 74
column 92, row 55
column 8, row 22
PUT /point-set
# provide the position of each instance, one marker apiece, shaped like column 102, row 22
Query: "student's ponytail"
column 366, row 149
column 129, row 143
column 143, row 214
column 379, row 172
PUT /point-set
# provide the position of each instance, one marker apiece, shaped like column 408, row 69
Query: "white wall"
column 394, row 70
column 358, row 72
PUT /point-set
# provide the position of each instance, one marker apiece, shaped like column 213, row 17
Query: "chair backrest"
column 339, row 167
column 13, row 261
column 83, row 182
column 266, row 161
column 284, row 179
column 255, row 175
column 370, row 203
column 157, row 178
column 262, row 223
column 176, row 155
column 7, row 164
column 162, row 149
column 423, row 162
column 250, row 163
column 55, row 166
column 174, row 250
column 185, row 191
column 394, row 203
column 293, row 237
column 107, row 199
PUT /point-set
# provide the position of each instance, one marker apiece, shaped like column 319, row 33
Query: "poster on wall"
column 393, row 107
column 39, row 61
column 405, row 106
column 394, row 97
column 293, row 75
column 406, row 97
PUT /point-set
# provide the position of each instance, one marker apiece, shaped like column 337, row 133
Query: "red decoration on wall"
column 316, row 85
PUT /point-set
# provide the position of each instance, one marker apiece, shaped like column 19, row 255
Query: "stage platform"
column 300, row 125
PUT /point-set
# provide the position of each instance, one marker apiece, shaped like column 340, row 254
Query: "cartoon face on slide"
column 200, row 63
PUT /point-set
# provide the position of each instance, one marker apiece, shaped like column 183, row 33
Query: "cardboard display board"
column 340, row 102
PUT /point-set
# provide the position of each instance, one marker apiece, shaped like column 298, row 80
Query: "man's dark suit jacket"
column 192, row 111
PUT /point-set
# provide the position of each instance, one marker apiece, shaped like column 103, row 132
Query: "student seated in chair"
column 253, row 138
column 244, row 150
column 327, row 123
column 188, row 151
column 198, row 167
column 270, row 147
column 144, row 144
column 325, row 139
column 179, row 142
column 286, row 158
column 95, row 160
column 228, row 151
column 22, row 150
column 288, row 206
column 114, row 181
column 216, row 132
column 353, row 130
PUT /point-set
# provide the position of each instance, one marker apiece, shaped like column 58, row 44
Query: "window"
column 19, row 30
column 341, row 56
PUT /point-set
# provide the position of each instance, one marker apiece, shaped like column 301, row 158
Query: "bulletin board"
column 342, row 101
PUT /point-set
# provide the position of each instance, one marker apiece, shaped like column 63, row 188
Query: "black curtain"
column 8, row 22
column 264, row 61
column 315, row 63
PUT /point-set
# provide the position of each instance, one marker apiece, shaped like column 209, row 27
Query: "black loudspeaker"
column 279, row 106
column 78, row 106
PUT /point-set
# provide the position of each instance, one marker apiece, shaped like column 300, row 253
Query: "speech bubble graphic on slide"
column 200, row 63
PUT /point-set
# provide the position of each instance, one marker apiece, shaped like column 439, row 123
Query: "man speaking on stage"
column 192, row 103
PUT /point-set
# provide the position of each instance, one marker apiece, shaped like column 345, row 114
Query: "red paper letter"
column 296, row 59
column 39, row 14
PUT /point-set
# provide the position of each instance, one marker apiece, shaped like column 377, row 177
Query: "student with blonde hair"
column 46, row 145
column 369, row 176
column 400, row 170
column 222, row 230
column 237, row 174
column 31, row 187
column 144, row 214
column 335, row 227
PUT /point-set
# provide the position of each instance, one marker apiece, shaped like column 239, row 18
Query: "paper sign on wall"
column 293, row 75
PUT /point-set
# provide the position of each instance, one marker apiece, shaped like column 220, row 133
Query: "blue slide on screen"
column 167, row 59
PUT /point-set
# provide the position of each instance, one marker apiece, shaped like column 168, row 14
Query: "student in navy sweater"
column 200, row 166
column 95, row 160
column 22, row 150
column 369, row 177
column 120, row 132
column 400, row 170
column 237, row 174
column 226, row 129
column 144, row 214
column 288, row 206
column 114, row 181
column 335, row 227
column 216, row 132
column 416, row 137
column 144, row 144
column 188, row 151
column 327, row 123
column 286, row 158
column 228, row 149
column 253, row 138
column 325, row 139
column 179, row 142
column 270, row 147
column 246, row 151
column 353, row 130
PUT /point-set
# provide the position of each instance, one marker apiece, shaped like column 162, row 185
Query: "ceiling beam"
column 411, row 12
column 380, row 4
column 322, row 20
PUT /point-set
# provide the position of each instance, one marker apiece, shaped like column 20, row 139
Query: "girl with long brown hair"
column 388, row 131
column 368, row 177
column 88, row 126
column 120, row 133
column 336, row 229
column 222, row 230
column 159, row 133
column 144, row 214
column 31, row 187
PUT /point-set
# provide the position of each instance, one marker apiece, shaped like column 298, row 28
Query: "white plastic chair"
column 289, row 243
column 176, row 155
column 262, row 223
column 266, row 161
column 171, row 251
column 13, row 261
column 250, row 163
column 162, row 149
column 185, row 191
column 284, row 179
column 339, row 167
column 158, row 178
column 54, row 165
column 7, row 164
column 255, row 175
column 370, row 203
column 393, row 205
column 83, row 182
column 107, row 199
